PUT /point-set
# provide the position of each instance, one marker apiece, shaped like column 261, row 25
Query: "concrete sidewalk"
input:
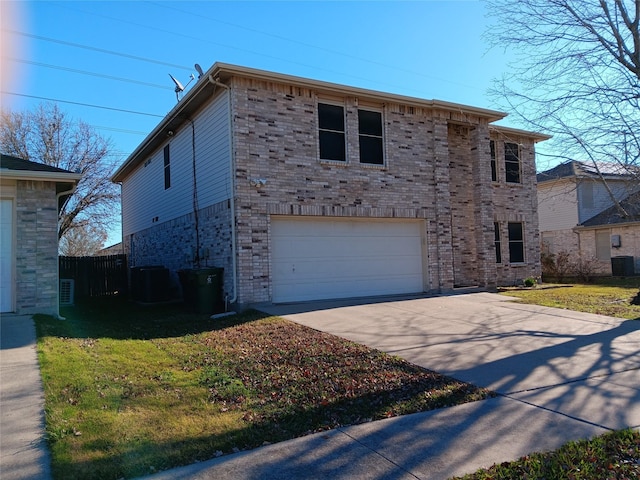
column 23, row 450
column 561, row 376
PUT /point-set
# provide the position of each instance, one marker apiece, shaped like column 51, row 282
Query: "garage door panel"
column 336, row 258
column 319, row 268
column 349, row 246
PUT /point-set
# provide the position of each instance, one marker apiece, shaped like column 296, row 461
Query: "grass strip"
column 615, row 455
column 609, row 298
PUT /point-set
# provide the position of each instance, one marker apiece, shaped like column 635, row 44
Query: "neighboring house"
column 115, row 249
column 305, row 190
column 574, row 194
column 31, row 196
column 614, row 233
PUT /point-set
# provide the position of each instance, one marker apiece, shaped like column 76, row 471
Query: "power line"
column 232, row 47
column 101, row 50
column 309, row 45
column 82, row 104
column 93, row 74
column 120, row 130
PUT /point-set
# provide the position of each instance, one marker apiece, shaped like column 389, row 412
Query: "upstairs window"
column 370, row 133
column 167, row 168
column 331, row 132
column 516, row 242
column 494, row 166
column 512, row 162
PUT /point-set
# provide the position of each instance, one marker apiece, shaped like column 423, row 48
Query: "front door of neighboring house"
column 603, row 245
column 6, row 255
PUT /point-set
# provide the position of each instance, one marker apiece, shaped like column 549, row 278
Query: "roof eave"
column 39, row 175
column 222, row 72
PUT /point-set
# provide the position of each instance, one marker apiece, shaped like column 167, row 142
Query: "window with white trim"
column 496, row 241
column 167, row 168
column 494, row 166
column 331, row 132
column 370, row 137
column 516, row 242
column 512, row 162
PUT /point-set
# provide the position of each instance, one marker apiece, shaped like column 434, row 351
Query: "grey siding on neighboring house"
column 594, row 197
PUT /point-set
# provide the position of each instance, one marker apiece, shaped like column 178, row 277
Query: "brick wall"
column 437, row 168
column 173, row 244
column 36, row 248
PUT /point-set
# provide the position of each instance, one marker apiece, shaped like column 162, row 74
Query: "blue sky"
column 107, row 63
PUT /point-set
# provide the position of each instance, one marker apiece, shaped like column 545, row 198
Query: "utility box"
column 202, row 289
column 622, row 266
column 150, row 284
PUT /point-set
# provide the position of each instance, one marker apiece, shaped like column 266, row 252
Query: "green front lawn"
column 609, row 297
column 132, row 390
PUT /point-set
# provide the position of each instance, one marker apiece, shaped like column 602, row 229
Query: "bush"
column 530, row 282
column 557, row 265
column 585, row 268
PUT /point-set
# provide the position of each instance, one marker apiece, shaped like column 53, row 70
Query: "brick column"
column 443, row 241
column 483, row 206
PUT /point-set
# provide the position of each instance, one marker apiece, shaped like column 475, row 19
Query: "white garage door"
column 322, row 258
column 6, row 257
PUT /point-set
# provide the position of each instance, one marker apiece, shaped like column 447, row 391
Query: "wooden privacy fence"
column 96, row 276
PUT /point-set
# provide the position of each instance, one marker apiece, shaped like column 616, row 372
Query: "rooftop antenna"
column 199, row 70
column 179, row 87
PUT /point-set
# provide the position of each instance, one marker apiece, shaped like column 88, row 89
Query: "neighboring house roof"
column 219, row 75
column 574, row 168
column 20, row 169
column 613, row 216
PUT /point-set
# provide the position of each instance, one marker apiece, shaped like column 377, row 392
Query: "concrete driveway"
column 580, row 365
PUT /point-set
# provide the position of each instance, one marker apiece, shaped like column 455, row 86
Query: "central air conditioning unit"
column 66, row 291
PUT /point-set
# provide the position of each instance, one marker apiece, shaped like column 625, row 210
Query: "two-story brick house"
column 305, row 190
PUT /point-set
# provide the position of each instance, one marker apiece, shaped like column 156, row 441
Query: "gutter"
column 232, row 206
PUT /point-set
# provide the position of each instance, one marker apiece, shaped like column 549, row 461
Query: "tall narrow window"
column 516, row 242
column 494, row 167
column 512, row 162
column 370, row 133
column 496, row 235
column 167, row 168
column 331, row 132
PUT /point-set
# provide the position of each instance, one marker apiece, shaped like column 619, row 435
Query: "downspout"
column 58, row 195
column 234, row 266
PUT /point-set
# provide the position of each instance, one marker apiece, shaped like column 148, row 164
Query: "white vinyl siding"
column 322, row 258
column 144, row 198
column 557, row 206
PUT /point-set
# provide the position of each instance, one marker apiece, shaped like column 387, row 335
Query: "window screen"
column 496, row 235
column 512, row 162
column 331, row 132
column 370, row 133
column 516, row 243
column 494, row 167
column 167, row 168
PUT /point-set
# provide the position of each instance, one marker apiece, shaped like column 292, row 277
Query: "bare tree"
column 576, row 75
column 82, row 241
column 46, row 135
